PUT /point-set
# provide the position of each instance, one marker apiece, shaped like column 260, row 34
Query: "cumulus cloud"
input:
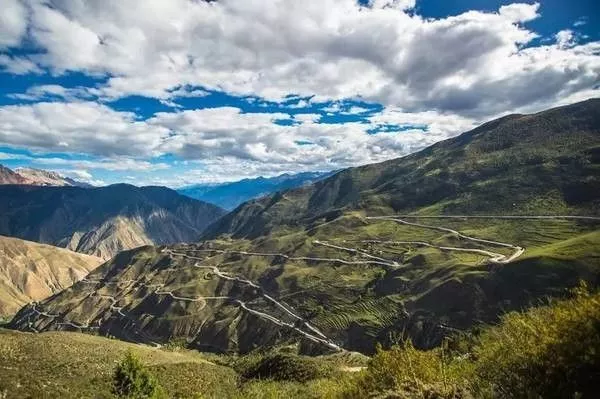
column 13, row 23
column 332, row 49
column 565, row 38
column 225, row 141
column 78, row 127
column 520, row 12
column 40, row 92
column 444, row 74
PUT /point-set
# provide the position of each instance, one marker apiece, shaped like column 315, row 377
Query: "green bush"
column 132, row 380
column 406, row 372
column 550, row 351
column 286, row 367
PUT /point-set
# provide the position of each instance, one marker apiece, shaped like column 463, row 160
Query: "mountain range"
column 36, row 177
column 102, row 221
column 230, row 195
column 418, row 247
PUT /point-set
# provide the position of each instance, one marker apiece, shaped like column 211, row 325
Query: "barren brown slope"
column 30, row 271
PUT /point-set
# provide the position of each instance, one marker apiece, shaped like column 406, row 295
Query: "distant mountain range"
column 230, row 195
column 102, row 221
column 36, row 177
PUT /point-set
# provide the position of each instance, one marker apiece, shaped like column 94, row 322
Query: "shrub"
column 406, row 372
column 132, row 380
column 550, row 351
column 286, row 367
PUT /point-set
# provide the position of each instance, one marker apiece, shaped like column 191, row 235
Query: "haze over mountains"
column 230, row 195
column 102, row 221
column 310, row 265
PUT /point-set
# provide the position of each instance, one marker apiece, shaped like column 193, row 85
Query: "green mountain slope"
column 311, row 266
column 546, row 163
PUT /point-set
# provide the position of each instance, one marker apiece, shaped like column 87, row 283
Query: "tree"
column 132, row 380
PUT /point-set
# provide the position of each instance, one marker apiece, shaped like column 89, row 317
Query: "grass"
column 73, row 365
column 433, row 286
column 550, row 351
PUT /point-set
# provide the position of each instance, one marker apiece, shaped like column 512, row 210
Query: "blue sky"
column 182, row 92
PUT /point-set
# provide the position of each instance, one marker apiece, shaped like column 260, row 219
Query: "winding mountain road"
column 301, row 325
column 318, row 336
column 494, row 257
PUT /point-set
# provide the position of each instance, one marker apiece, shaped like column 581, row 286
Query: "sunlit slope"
column 31, row 271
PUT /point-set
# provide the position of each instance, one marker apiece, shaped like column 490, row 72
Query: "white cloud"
column 332, row 49
column 443, row 73
column 80, row 126
column 81, row 175
column 520, row 12
column 18, row 65
column 39, row 92
column 565, row 38
column 225, row 141
column 13, row 23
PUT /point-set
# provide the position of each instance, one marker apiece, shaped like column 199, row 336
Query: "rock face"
column 31, row 272
column 7, row 176
column 36, row 177
column 102, row 221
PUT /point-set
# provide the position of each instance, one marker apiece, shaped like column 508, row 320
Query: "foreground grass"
column 551, row 351
column 72, row 365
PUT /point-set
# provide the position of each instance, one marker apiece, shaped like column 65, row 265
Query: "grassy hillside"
column 311, row 266
column 430, row 293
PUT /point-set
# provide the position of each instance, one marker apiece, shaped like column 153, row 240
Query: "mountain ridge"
column 36, row 177
column 103, row 220
column 311, row 267
column 398, row 185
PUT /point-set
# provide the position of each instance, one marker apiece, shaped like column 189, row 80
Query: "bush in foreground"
column 132, row 380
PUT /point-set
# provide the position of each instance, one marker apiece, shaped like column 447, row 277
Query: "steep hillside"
column 230, row 195
column 102, row 221
column 314, row 266
column 520, row 164
column 31, row 272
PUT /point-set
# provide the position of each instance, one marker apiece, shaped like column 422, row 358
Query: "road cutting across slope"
column 494, row 257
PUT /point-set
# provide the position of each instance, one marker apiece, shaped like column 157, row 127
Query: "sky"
column 189, row 91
